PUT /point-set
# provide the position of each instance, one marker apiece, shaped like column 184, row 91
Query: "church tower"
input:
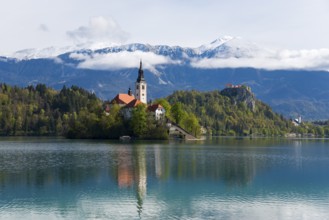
column 141, row 86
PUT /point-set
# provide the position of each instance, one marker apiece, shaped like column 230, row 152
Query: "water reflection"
column 298, row 153
column 161, row 179
column 131, row 171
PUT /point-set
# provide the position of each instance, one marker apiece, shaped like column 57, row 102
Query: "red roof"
column 133, row 103
column 122, row 99
column 153, row 108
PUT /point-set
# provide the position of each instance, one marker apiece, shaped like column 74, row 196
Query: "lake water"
column 223, row 178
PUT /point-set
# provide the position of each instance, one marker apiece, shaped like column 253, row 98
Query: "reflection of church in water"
column 138, row 165
column 132, row 171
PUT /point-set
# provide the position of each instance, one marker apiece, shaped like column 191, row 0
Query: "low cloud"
column 124, row 59
column 43, row 28
column 284, row 59
column 99, row 29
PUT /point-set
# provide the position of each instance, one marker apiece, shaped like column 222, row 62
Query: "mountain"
column 289, row 81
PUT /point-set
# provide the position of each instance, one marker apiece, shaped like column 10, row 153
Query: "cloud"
column 284, row 59
column 124, row 59
column 43, row 28
column 99, row 29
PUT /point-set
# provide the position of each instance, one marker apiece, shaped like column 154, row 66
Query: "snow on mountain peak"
column 223, row 47
column 32, row 53
column 214, row 44
column 51, row 52
column 221, row 41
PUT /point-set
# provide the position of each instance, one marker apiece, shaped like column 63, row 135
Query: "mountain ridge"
column 111, row 70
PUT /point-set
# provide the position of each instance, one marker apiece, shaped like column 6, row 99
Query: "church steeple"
column 140, row 73
column 141, row 85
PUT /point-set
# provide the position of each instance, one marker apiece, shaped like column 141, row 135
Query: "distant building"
column 297, row 121
column 232, row 86
column 157, row 110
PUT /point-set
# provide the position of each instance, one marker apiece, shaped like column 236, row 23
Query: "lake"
column 222, row 178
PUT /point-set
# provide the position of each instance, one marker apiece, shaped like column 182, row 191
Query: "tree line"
column 223, row 115
column 74, row 112
column 71, row 112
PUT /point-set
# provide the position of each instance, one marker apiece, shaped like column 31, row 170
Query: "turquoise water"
column 223, row 178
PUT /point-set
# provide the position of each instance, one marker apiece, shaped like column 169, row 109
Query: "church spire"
column 140, row 73
column 141, row 85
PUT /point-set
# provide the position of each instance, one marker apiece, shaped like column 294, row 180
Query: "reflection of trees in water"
column 231, row 160
column 187, row 163
column 198, row 163
column 127, row 164
column 42, row 169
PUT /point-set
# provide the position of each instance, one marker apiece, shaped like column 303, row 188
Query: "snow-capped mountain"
column 222, row 47
column 292, row 82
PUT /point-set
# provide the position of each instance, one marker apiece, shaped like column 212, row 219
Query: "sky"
column 292, row 24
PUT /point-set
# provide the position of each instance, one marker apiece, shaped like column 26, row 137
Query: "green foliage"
column 177, row 112
column 144, row 125
column 76, row 113
column 72, row 112
column 220, row 115
column 139, row 121
column 191, row 124
column 43, row 111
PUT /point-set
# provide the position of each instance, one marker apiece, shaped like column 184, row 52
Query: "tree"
column 191, row 124
column 138, row 121
column 177, row 113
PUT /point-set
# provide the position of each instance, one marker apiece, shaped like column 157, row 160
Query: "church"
column 129, row 100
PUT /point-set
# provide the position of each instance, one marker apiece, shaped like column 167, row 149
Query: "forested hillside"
column 71, row 112
column 42, row 111
column 76, row 113
column 232, row 112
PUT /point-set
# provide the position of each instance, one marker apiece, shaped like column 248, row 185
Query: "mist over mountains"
column 292, row 82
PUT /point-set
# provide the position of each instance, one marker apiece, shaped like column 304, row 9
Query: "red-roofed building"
column 127, row 110
column 157, row 110
column 122, row 99
column 133, row 103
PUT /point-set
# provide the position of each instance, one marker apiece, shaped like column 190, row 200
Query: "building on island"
column 157, row 111
column 127, row 110
column 129, row 101
column 122, row 99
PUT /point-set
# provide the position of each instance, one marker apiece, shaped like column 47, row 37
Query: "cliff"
column 240, row 94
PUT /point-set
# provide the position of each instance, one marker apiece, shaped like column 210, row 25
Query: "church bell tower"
column 141, row 86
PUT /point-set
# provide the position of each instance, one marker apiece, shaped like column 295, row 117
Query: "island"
column 77, row 113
